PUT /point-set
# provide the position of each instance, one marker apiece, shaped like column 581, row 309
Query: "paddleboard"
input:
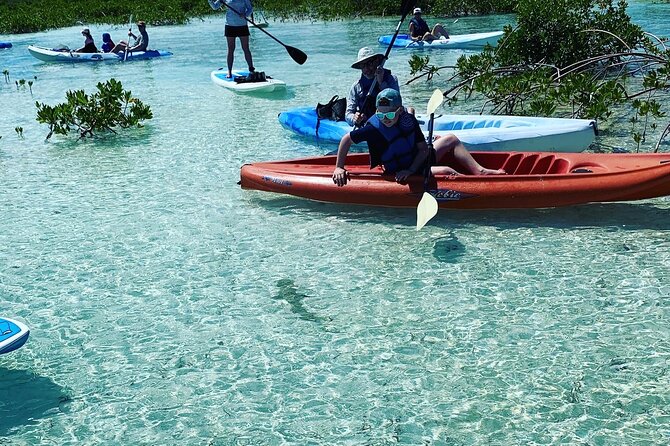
column 13, row 334
column 268, row 86
column 5, row 45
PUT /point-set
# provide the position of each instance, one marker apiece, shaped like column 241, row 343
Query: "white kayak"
column 58, row 55
column 269, row 85
column 13, row 334
column 477, row 132
column 462, row 41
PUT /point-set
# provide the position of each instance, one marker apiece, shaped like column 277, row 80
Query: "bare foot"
column 484, row 171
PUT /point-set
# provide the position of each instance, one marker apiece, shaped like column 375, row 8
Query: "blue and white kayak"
column 475, row 41
column 268, row 86
column 56, row 55
column 477, row 132
column 13, row 334
column 5, row 45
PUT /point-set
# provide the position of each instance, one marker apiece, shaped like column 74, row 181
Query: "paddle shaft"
column 295, row 53
column 405, row 11
column 130, row 28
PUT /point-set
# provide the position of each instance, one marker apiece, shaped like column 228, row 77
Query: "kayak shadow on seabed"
column 25, row 398
column 624, row 216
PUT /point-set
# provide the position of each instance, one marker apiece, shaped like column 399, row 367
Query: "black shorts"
column 236, row 31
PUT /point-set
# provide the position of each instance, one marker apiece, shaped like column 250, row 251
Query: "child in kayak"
column 396, row 142
column 419, row 30
column 107, row 43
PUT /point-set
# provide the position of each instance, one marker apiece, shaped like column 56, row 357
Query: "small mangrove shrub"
column 109, row 108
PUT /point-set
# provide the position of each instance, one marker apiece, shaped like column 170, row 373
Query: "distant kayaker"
column 236, row 26
column 395, row 141
column 107, row 43
column 89, row 44
column 369, row 63
column 141, row 42
column 419, row 29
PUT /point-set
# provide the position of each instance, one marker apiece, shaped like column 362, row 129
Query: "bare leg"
column 449, row 143
column 231, row 54
column 438, row 30
column 244, row 40
column 428, row 37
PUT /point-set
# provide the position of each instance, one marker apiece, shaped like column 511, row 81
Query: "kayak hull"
column 475, row 41
column 269, row 86
column 477, row 132
column 52, row 55
column 13, row 334
column 534, row 180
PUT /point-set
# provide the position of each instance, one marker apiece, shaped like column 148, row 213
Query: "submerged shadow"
column 287, row 291
column 628, row 216
column 448, row 249
column 25, row 398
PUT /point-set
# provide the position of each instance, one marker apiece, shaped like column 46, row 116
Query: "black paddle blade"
column 296, row 54
column 406, row 7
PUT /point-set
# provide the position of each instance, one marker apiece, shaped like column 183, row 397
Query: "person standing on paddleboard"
column 236, row 27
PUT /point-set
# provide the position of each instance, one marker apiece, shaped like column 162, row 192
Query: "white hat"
column 417, row 11
column 364, row 55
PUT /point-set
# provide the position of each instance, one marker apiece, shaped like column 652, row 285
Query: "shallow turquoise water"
column 167, row 306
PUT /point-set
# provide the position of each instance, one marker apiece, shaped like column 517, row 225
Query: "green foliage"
column 103, row 111
column 24, row 16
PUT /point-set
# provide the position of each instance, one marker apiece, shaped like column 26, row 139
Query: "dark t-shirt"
column 378, row 144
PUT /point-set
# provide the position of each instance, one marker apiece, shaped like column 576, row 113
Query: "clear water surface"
column 168, row 306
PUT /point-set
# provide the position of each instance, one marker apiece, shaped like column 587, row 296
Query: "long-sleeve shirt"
column 359, row 91
column 243, row 7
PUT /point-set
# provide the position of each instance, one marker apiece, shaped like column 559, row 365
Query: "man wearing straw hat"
column 369, row 63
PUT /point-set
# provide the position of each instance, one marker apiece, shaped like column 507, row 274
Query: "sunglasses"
column 388, row 115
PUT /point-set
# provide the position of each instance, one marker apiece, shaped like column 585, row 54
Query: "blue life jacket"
column 401, row 149
column 420, row 27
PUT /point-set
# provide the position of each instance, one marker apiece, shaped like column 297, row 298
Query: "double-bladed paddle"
column 427, row 207
column 297, row 55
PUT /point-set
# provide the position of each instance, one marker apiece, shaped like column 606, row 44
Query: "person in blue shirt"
column 419, row 30
column 236, row 27
column 107, row 43
column 395, row 142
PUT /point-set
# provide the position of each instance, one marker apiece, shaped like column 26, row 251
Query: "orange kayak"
column 534, row 180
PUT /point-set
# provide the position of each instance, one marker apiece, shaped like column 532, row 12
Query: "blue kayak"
column 475, row 41
column 13, row 334
column 56, row 55
column 5, row 45
column 477, row 132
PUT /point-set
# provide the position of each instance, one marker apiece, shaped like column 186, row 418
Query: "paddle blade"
column 296, row 54
column 426, row 210
column 435, row 101
column 406, row 6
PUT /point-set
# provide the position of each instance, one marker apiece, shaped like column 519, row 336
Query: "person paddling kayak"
column 395, row 142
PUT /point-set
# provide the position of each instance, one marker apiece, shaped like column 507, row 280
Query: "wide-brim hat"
column 365, row 55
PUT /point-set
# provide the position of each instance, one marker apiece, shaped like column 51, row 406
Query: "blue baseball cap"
column 389, row 98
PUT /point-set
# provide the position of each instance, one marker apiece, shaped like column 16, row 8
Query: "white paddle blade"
column 426, row 210
column 435, row 101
